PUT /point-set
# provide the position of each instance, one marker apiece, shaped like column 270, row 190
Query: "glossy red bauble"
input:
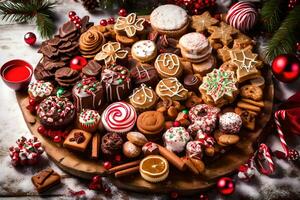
column 96, row 179
column 107, row 165
column 78, row 62
column 286, row 68
column 226, row 186
column 122, row 12
column 176, row 124
column 30, row 38
column 111, row 20
column 31, row 102
column 72, row 13
column 103, row 22
column 41, row 130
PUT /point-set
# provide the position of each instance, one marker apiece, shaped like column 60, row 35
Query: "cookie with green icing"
column 219, row 87
column 89, row 120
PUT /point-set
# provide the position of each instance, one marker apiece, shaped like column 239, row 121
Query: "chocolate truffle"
column 192, row 82
column 56, row 113
column 88, row 93
column 117, row 83
column 111, row 143
column 144, row 73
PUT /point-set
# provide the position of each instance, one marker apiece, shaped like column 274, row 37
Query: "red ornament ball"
column 72, row 13
column 226, row 186
column 78, row 62
column 122, row 12
column 107, row 165
column 30, row 38
column 286, row 68
column 103, row 22
column 41, row 129
column 111, row 20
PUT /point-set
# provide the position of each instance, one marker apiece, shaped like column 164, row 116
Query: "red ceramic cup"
column 16, row 74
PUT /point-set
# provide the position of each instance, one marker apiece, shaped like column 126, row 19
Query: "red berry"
column 72, row 13
column 78, row 26
column 123, row 12
column 31, row 102
column 111, row 20
column 203, row 197
column 57, row 139
column 77, row 18
column 77, row 21
column 176, row 124
column 103, row 22
column 96, row 179
column 30, row 38
column 72, row 18
column 107, row 165
column 41, row 129
column 118, row 158
column 174, row 195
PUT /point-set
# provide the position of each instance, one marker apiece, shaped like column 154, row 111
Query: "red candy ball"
column 57, row 139
column 78, row 62
column 118, row 158
column 122, row 12
column 96, row 179
column 107, row 165
column 103, row 22
column 226, row 186
column 41, row 129
column 30, row 38
column 31, row 102
column 72, row 13
column 176, row 124
column 203, row 197
column 111, row 20
column 286, row 68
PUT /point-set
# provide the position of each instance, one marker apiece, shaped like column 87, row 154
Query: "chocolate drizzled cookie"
column 58, row 51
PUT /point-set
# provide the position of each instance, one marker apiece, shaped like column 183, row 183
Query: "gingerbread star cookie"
column 129, row 25
column 246, row 63
column 110, row 52
column 219, row 87
column 222, row 33
column 201, row 22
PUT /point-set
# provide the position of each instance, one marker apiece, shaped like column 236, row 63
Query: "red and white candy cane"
column 264, row 160
column 281, row 114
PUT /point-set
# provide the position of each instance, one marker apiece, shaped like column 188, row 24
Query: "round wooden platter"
column 183, row 182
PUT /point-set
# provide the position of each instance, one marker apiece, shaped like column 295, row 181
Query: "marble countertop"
column 16, row 182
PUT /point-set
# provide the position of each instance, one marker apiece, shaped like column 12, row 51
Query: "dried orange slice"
column 154, row 168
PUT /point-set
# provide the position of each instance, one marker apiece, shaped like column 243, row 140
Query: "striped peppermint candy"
column 242, row 16
column 119, row 117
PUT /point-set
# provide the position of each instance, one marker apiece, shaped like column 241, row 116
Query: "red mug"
column 16, row 74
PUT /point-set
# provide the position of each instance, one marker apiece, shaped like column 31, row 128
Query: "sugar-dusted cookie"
column 129, row 25
column 176, row 138
column 144, row 50
column 219, row 87
column 222, row 33
column 246, row 63
column 143, row 98
column 201, row 22
column 111, row 51
column 172, row 88
column 170, row 19
column 195, row 47
column 168, row 65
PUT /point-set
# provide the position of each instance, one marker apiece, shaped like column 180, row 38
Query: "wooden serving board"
column 183, row 182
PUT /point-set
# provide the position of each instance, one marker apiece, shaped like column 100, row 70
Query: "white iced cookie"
column 144, row 50
column 169, row 19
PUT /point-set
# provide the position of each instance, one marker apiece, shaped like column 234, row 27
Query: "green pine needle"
column 285, row 38
column 272, row 13
column 21, row 11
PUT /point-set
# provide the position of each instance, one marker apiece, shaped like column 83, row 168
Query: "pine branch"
column 272, row 14
column 285, row 38
column 45, row 25
column 21, row 11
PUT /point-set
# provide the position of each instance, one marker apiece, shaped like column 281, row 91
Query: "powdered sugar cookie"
column 144, row 50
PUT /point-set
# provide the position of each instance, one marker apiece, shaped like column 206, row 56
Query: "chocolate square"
column 45, row 179
column 77, row 140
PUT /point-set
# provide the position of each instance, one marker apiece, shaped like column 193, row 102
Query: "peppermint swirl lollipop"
column 242, row 16
column 119, row 117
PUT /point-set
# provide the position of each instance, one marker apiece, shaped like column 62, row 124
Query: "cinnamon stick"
column 124, row 166
column 172, row 158
column 190, row 165
column 126, row 172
